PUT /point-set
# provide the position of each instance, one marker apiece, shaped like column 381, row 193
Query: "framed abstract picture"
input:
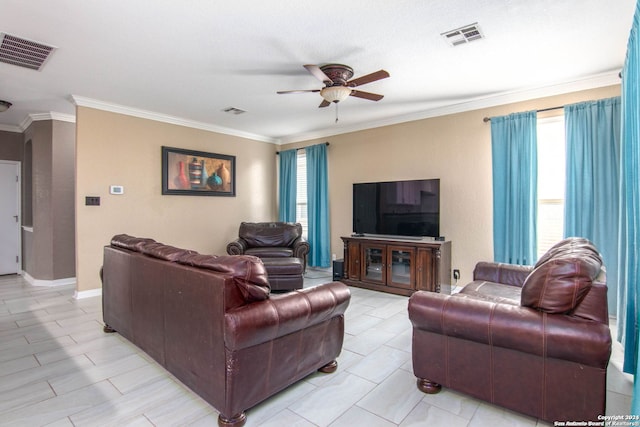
column 197, row 173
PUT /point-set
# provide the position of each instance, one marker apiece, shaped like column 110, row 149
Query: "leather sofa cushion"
column 269, row 252
column 164, row 252
column 269, row 234
column 283, row 266
column 571, row 246
column 508, row 274
column 562, row 276
column 491, row 291
column 248, row 272
column 560, row 283
column 129, row 242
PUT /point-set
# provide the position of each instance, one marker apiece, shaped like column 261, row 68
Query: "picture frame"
column 197, row 173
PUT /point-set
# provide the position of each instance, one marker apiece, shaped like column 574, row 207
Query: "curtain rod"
column 302, row 148
column 488, row 119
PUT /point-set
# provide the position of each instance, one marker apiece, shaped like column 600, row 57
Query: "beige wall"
column 114, row 149
column 455, row 148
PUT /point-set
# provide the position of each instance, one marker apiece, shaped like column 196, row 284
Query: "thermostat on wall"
column 116, row 189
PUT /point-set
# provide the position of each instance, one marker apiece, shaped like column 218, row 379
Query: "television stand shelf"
column 397, row 265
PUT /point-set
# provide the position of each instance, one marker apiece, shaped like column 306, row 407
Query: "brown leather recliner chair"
column 532, row 339
column 270, row 240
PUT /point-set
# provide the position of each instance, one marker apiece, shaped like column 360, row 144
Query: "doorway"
column 9, row 217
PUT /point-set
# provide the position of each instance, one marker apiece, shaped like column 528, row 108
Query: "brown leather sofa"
column 532, row 339
column 212, row 322
column 270, row 240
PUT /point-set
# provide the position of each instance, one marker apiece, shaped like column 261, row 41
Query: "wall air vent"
column 23, row 53
column 463, row 35
column 234, row 110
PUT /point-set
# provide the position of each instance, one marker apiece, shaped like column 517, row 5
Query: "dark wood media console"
column 396, row 265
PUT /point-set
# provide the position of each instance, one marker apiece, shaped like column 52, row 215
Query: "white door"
column 9, row 217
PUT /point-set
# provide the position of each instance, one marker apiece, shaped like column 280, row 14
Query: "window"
column 301, row 192
column 551, row 182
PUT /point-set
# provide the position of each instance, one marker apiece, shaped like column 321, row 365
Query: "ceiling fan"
column 337, row 84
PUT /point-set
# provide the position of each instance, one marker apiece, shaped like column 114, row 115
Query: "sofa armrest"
column 283, row 314
column 237, row 247
column 300, row 248
column 507, row 274
column 512, row 327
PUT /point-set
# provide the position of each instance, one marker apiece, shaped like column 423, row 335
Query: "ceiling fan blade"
column 318, row 73
column 324, row 103
column 378, row 75
column 280, row 92
column 366, row 95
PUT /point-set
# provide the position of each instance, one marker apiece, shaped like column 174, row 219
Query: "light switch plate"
column 116, row 189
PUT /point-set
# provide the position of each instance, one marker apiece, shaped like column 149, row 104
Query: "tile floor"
column 57, row 368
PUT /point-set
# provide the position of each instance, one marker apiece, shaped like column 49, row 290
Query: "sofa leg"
column 237, row 420
column 108, row 329
column 428, row 387
column 329, row 368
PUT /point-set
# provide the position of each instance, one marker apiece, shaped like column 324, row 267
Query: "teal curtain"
column 593, row 179
column 287, row 182
column 629, row 269
column 515, row 194
column 318, row 206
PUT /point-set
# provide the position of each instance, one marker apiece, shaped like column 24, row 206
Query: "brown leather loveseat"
column 534, row 340
column 270, row 240
column 212, row 323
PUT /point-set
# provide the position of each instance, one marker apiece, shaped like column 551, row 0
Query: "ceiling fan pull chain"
column 337, row 112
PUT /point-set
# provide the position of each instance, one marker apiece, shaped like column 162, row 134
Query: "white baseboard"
column 62, row 282
column 88, row 294
column 48, row 283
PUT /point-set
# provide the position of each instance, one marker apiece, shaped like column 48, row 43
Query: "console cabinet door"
column 401, row 264
column 426, row 270
column 374, row 262
column 353, row 257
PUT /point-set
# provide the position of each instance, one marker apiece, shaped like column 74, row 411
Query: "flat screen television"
column 397, row 208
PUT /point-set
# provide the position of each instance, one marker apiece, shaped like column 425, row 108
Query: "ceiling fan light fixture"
column 4, row 105
column 335, row 93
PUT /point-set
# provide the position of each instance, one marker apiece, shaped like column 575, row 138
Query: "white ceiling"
column 184, row 62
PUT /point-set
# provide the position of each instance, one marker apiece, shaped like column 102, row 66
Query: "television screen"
column 397, row 208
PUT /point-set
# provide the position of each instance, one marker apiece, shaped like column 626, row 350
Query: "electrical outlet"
column 92, row 200
column 456, row 274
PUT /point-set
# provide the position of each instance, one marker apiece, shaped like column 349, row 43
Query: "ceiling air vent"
column 463, row 35
column 23, row 53
column 234, row 110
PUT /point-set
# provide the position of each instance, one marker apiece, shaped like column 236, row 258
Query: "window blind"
column 301, row 192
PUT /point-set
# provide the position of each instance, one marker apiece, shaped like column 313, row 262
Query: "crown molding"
column 150, row 115
column 51, row 115
column 600, row 80
column 8, row 128
column 595, row 81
